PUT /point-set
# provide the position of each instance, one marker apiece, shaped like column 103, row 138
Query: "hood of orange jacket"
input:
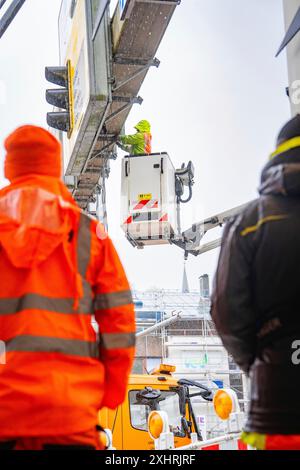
column 37, row 213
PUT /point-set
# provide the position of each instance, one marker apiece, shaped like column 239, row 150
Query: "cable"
column 181, row 176
column 184, row 201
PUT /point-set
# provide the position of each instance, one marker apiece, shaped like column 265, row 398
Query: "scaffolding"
column 191, row 344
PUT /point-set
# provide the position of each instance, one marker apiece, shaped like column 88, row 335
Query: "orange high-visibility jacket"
column 58, row 268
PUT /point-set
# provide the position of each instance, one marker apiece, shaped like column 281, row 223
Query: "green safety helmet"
column 143, row 126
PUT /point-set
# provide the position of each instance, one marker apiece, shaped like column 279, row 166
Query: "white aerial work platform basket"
column 148, row 206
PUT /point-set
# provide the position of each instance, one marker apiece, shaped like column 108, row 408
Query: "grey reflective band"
column 9, row 306
column 86, row 303
column 47, row 344
column 84, row 240
column 112, row 300
column 117, row 340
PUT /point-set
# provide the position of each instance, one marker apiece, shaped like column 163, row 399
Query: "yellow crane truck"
column 158, row 391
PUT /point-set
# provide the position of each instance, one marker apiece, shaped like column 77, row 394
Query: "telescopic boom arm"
column 192, row 237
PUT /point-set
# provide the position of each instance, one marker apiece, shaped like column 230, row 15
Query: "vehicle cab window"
column 140, row 409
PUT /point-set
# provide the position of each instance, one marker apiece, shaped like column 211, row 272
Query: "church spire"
column 185, row 284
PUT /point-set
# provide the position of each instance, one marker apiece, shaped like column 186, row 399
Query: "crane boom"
column 192, row 237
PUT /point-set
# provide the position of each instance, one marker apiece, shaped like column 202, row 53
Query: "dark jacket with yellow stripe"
column 256, row 296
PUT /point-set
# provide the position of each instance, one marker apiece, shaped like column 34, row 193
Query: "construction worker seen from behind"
column 139, row 143
column 255, row 301
column 55, row 275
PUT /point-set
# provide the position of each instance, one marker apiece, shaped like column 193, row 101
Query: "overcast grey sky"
column 217, row 99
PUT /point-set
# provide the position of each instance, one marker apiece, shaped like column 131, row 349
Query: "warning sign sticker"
column 144, row 197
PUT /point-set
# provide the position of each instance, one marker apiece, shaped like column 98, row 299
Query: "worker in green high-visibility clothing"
column 138, row 143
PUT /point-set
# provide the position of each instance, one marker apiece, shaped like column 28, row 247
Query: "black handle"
column 162, row 165
column 126, row 168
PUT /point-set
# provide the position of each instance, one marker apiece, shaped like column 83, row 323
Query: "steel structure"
column 158, row 326
column 291, row 43
column 10, row 14
column 136, row 35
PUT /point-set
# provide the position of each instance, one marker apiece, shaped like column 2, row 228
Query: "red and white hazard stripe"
column 164, row 218
column 145, row 204
column 129, row 220
column 226, row 442
column 235, row 444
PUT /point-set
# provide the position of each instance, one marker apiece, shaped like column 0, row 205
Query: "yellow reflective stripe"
column 255, row 440
column 254, row 228
column 117, row 340
column 84, row 244
column 47, row 344
column 285, row 146
column 12, row 305
column 113, row 299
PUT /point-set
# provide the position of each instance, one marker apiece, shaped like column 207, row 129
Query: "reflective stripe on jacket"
column 271, row 441
column 57, row 274
column 139, row 143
